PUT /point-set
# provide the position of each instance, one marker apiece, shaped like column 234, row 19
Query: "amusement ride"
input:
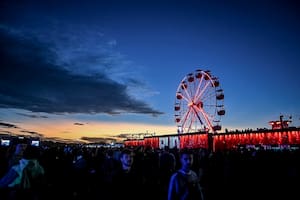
column 199, row 103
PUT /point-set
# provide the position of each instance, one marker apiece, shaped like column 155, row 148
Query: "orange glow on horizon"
column 68, row 130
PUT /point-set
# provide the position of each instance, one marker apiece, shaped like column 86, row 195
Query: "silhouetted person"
column 167, row 164
column 24, row 180
column 79, row 175
column 184, row 183
column 126, row 182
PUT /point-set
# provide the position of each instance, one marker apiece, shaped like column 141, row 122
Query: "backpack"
column 32, row 183
column 32, row 176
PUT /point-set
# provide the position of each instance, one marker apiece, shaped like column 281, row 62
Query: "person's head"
column 186, row 159
column 109, row 153
column 126, row 159
column 20, row 148
column 31, row 152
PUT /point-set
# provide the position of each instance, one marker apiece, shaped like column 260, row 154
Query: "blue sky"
column 72, row 69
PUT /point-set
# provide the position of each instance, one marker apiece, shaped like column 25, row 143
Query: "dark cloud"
column 79, row 124
column 61, row 140
column 7, row 125
column 31, row 79
column 99, row 139
column 32, row 133
column 5, row 133
column 125, row 135
column 32, row 115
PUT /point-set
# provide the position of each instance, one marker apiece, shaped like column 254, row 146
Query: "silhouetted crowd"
column 79, row 172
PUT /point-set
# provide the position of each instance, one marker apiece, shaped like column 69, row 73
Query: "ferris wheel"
column 199, row 103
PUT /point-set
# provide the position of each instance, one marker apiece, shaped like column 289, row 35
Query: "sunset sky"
column 83, row 70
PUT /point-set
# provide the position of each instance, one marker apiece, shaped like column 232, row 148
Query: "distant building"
column 280, row 124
